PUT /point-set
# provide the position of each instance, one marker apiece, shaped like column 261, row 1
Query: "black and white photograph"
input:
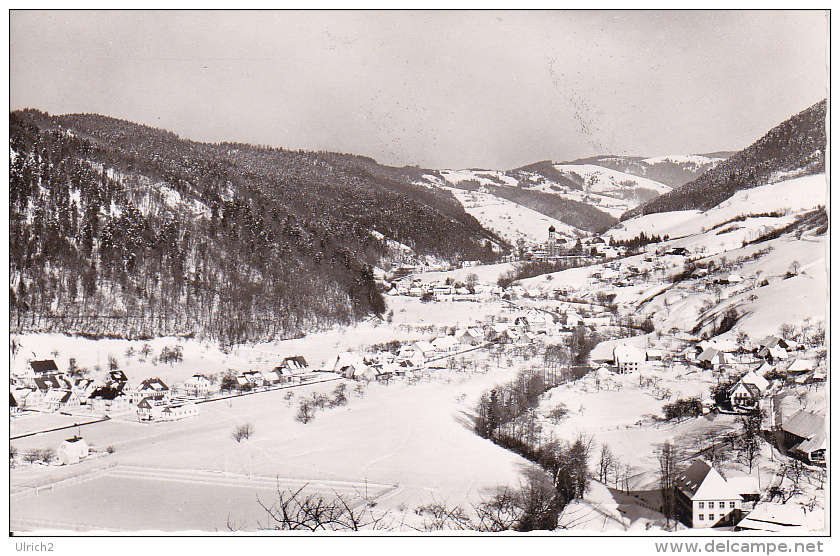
column 419, row 273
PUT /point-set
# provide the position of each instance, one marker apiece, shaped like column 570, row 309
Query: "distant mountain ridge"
column 793, row 148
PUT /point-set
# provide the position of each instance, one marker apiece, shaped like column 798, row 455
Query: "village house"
column 628, row 359
column 804, row 436
column 411, row 354
column 470, row 336
column 747, row 487
column 28, row 398
column 270, row 378
column 748, row 391
column 84, row 387
column 60, row 400
column 254, row 378
column 45, row 383
column 72, row 451
column 108, row 399
column 152, row 388
column 181, row 411
column 13, row 405
column 148, row 410
column 340, row 362
column 197, row 385
column 359, row 371
column 712, row 358
column 425, row 348
column 705, row 499
column 445, row 344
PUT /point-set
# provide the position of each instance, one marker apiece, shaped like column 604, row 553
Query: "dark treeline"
column 127, row 230
column 506, row 414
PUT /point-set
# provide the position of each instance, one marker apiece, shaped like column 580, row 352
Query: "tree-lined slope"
column 128, row 230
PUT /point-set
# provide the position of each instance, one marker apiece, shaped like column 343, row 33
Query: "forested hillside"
column 126, row 230
column 793, row 148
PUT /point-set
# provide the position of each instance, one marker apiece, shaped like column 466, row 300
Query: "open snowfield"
column 487, row 274
column 417, row 437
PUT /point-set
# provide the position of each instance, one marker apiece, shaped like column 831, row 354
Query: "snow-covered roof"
column 800, row 366
column 756, row 380
column 628, row 354
column 744, row 484
column 769, row 516
column 805, row 424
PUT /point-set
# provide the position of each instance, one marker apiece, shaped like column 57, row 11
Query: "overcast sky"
column 438, row 89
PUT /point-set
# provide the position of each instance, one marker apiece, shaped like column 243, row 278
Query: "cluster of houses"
column 42, row 387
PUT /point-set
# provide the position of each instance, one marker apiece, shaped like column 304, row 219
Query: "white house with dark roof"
column 61, row 400
column 705, row 499
column 153, row 388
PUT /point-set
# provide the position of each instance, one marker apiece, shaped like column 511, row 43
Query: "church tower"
column 551, row 246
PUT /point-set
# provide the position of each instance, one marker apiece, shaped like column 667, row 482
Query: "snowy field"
column 417, row 437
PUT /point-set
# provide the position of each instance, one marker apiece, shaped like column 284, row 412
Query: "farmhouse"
column 712, row 358
column 800, row 366
column 628, row 359
column 704, row 498
column 805, row 436
column 72, row 450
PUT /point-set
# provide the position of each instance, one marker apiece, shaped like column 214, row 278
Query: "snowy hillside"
column 577, row 199
column 612, row 183
column 786, row 197
column 772, row 238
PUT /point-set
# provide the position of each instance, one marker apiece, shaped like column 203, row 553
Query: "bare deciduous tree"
column 242, row 432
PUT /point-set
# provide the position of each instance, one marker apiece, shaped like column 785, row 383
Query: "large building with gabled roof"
column 705, row 499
